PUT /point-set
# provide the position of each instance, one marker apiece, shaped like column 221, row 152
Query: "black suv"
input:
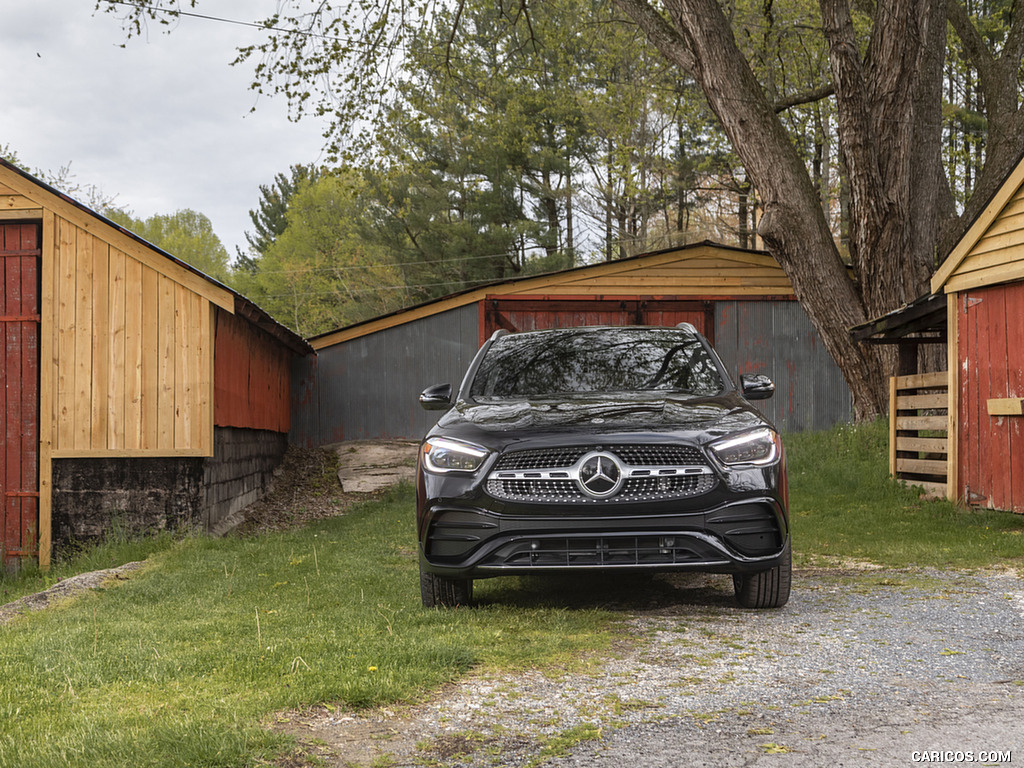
column 601, row 448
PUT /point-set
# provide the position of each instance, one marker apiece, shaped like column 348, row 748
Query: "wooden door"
column 19, row 393
column 536, row 313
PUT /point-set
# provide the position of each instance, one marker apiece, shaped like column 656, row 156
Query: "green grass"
column 186, row 662
column 844, row 506
column 182, row 663
column 115, row 550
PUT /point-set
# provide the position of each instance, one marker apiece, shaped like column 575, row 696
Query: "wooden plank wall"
column 703, row 272
column 990, row 326
column 252, row 377
column 918, row 431
column 132, row 354
column 995, row 257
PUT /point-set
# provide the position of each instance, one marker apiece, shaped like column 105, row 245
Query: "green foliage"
column 187, row 235
column 322, row 271
column 270, row 217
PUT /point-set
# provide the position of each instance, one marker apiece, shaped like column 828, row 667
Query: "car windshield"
column 587, row 361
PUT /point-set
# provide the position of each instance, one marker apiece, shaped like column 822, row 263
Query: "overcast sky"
column 163, row 124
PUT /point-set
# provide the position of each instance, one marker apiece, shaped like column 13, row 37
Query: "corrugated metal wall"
column 776, row 338
column 368, row 387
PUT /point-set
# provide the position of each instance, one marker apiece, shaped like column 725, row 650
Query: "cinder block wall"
column 94, row 498
column 243, row 463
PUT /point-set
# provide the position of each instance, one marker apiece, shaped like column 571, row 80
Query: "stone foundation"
column 96, row 498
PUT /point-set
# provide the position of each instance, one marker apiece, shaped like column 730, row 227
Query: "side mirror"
column 756, row 386
column 437, row 397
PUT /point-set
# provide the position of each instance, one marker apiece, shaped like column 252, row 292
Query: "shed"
column 983, row 281
column 137, row 391
column 365, row 379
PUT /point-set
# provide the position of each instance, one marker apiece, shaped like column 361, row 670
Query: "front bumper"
column 465, row 541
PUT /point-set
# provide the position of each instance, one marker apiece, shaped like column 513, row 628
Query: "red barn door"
column 533, row 313
column 19, row 392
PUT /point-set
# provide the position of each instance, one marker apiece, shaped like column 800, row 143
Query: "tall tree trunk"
column 793, row 227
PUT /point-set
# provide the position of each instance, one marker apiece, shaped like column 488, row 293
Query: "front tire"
column 766, row 589
column 440, row 592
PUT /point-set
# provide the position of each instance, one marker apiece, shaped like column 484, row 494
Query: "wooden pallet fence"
column 918, row 430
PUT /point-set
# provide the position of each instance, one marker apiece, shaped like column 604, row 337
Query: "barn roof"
column 701, row 270
column 992, row 249
column 13, row 178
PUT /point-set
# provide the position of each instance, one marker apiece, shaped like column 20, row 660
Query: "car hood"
column 704, row 418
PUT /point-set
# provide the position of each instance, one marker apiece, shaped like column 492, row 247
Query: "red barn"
column 983, row 280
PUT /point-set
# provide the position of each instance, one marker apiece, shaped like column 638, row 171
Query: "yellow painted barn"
column 122, row 378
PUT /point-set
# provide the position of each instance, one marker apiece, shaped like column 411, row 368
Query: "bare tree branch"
column 663, row 35
column 805, row 97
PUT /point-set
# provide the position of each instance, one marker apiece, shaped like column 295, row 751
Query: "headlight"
column 758, row 448
column 442, row 454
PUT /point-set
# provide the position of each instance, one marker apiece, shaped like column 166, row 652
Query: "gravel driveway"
column 864, row 667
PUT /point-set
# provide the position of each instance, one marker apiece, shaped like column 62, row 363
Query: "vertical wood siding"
column 989, row 326
column 19, row 392
column 251, row 375
column 132, row 354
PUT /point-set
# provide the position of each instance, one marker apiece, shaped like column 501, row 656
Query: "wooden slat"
column 47, row 309
column 17, row 203
column 953, row 426
column 116, row 405
column 207, row 339
column 921, row 444
column 133, row 325
column 938, row 423
column 183, row 373
column 166, row 322
column 100, row 386
column 126, row 453
column 1001, row 274
column 892, row 426
column 21, row 215
column 921, row 466
column 1005, row 406
column 81, row 428
column 150, row 393
column 934, row 401
column 923, row 380
column 66, row 331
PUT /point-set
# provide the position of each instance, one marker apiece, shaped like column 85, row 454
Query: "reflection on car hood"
column 611, row 413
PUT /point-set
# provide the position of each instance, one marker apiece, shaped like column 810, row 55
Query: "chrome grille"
column 552, row 476
column 540, row 459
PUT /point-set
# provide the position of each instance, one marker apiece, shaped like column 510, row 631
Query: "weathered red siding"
column 251, row 377
column 19, row 392
column 538, row 312
column 990, row 333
